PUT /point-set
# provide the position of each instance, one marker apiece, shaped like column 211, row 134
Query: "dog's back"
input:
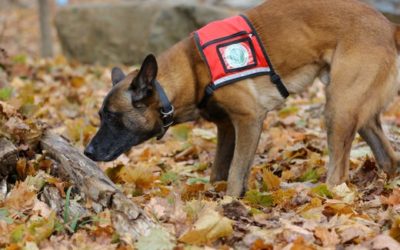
column 296, row 32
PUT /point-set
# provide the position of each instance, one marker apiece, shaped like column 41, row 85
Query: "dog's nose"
column 89, row 151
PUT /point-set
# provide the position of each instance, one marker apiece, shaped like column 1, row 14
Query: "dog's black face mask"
column 129, row 115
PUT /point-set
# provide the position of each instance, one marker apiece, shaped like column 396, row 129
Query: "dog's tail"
column 397, row 37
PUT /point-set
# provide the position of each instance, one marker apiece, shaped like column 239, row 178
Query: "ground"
column 288, row 206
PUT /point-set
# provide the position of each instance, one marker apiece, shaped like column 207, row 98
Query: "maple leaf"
column 141, row 175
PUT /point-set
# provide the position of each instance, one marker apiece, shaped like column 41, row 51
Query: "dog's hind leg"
column 342, row 127
column 357, row 92
column 384, row 154
column 225, row 149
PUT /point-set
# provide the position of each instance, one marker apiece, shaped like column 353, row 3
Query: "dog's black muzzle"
column 109, row 143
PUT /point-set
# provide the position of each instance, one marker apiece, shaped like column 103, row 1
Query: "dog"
column 350, row 46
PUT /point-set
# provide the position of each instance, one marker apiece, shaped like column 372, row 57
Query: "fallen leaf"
column 255, row 197
column 204, row 133
column 141, row 175
column 271, row 181
column 322, row 190
column 209, row 227
column 395, row 229
column 235, row 209
column 393, row 199
column 21, row 198
column 384, row 242
column 42, row 208
column 300, row 244
column 344, row 192
column 157, row 239
column 259, row 244
column 328, row 238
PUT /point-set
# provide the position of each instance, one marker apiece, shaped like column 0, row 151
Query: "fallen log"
column 8, row 157
column 128, row 218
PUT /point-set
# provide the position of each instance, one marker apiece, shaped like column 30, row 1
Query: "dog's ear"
column 141, row 86
column 117, row 75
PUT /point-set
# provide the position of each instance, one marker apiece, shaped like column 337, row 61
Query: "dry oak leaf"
column 21, row 198
column 383, row 242
column 259, row 244
column 271, row 181
column 42, row 208
column 209, row 227
column 344, row 192
column 328, row 238
column 299, row 244
column 393, row 199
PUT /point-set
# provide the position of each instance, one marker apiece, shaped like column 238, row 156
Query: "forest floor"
column 288, row 206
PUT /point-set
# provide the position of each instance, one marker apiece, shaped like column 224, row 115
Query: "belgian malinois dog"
column 349, row 45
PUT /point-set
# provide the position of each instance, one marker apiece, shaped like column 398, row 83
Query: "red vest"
column 232, row 50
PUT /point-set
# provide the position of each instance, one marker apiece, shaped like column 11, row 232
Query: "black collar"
column 166, row 110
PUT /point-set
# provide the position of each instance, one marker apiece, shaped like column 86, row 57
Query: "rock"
column 390, row 8
column 126, row 32
column 236, row 4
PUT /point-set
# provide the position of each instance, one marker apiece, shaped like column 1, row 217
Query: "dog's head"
column 129, row 114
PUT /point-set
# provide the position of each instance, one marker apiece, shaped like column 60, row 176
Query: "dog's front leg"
column 225, row 149
column 247, row 135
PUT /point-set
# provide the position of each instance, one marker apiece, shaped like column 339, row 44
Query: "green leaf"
column 201, row 166
column 169, row 177
column 255, row 197
column 181, row 132
column 67, row 204
column 4, row 215
column 74, row 224
column 17, row 234
column 285, row 112
column 59, row 226
column 115, row 238
column 322, row 190
column 311, row 176
column 37, row 181
column 192, row 181
column 157, row 239
column 42, row 228
column 19, row 59
column 5, row 93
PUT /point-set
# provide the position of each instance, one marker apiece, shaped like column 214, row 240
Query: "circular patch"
column 236, row 55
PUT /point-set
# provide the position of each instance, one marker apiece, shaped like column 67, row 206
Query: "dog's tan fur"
column 350, row 45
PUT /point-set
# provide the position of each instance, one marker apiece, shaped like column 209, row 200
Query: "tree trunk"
column 45, row 28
